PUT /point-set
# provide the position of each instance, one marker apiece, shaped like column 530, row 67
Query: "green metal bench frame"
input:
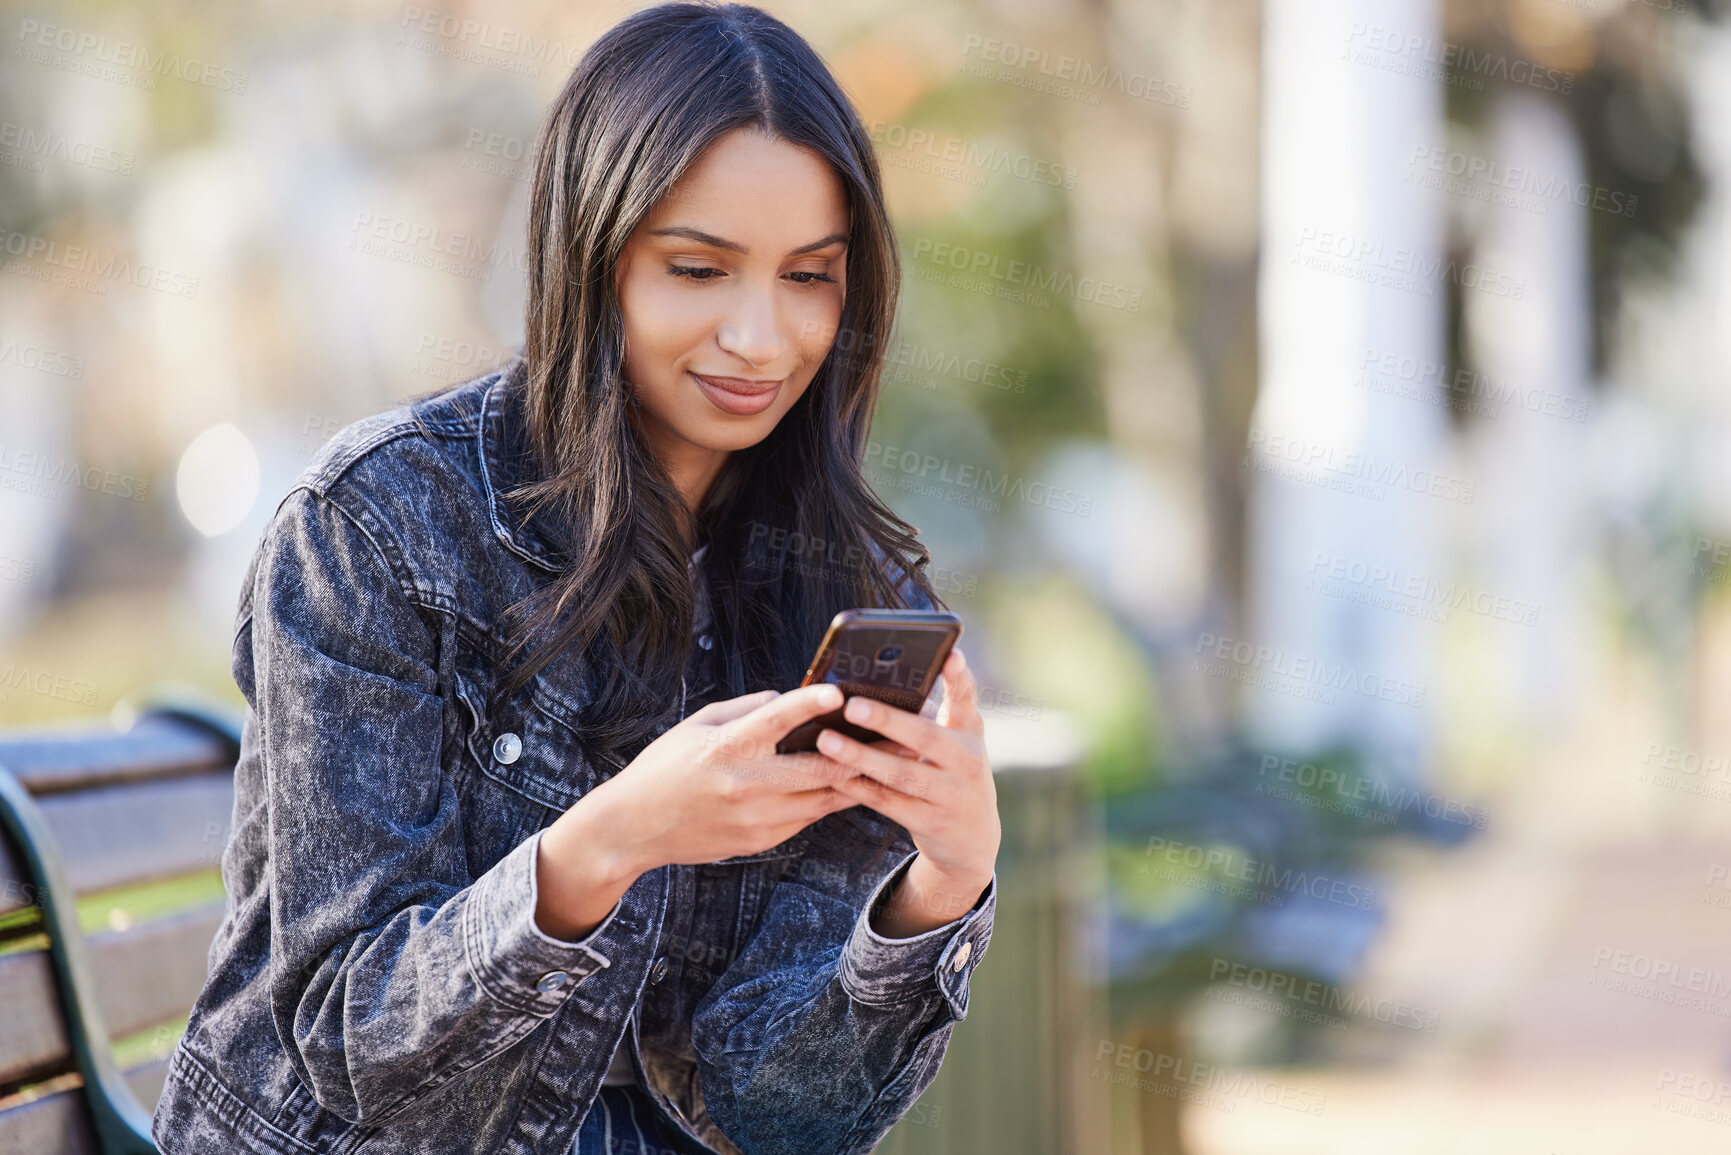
column 121, row 1124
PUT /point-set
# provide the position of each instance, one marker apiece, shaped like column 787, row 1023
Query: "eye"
column 702, row 273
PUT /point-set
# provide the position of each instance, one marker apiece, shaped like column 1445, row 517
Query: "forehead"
column 754, row 189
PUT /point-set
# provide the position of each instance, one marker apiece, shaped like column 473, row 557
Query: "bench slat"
column 153, row 972
column 34, row 1041
column 138, row 832
column 57, row 1124
column 119, row 835
column 55, row 760
column 144, row 976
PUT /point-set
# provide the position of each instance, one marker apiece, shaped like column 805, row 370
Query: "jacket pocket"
column 198, row 1113
column 522, row 767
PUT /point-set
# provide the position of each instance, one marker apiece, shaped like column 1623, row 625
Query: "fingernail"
column 859, row 710
column 829, row 743
column 829, row 696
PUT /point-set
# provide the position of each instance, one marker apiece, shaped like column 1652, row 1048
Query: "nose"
column 751, row 331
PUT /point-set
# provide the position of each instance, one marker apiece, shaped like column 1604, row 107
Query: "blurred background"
column 1345, row 548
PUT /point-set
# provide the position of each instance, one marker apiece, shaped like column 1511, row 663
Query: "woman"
column 515, row 867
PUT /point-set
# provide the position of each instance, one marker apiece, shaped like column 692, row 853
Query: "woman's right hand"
column 710, row 787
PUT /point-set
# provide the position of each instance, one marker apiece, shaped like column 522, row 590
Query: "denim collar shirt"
column 378, row 981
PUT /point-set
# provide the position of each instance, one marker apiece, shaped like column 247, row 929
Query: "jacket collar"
column 506, row 462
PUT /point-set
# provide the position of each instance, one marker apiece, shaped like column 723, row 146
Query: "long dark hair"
column 794, row 531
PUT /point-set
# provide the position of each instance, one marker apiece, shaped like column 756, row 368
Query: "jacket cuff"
column 882, row 971
column 512, row 959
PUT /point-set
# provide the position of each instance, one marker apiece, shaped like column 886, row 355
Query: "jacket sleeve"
column 392, row 970
column 816, row 990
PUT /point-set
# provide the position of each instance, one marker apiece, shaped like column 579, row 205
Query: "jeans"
column 623, row 1121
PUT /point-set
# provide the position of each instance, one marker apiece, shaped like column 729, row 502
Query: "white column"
column 1533, row 351
column 1353, row 268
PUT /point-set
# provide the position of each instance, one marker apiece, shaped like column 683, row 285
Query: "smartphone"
column 891, row 655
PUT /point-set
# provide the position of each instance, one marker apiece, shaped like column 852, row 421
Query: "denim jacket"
column 379, row 983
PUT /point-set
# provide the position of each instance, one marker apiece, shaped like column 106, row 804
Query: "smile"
column 737, row 396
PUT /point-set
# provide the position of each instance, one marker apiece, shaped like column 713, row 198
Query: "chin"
column 738, row 433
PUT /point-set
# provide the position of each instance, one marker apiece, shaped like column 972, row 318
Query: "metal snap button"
column 507, row 748
column 705, row 641
column 659, row 970
column 552, row 981
column 961, row 959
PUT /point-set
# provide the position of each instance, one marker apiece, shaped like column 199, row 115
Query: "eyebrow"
column 711, row 239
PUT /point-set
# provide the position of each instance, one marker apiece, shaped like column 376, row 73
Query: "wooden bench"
column 121, row 829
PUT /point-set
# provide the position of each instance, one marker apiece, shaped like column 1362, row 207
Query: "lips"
column 736, row 395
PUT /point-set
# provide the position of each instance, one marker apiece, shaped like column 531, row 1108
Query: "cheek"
column 661, row 322
column 817, row 327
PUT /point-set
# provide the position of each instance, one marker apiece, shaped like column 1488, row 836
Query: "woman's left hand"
column 933, row 778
